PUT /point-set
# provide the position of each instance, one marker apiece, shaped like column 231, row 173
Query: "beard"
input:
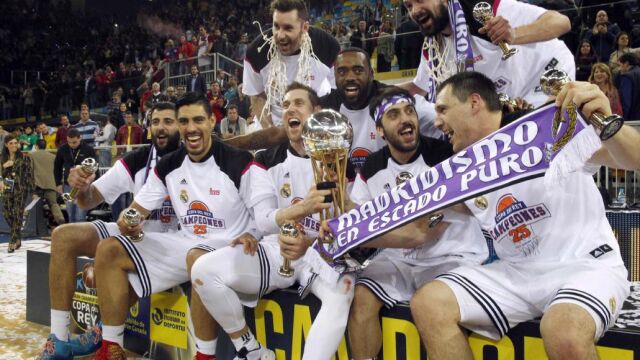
column 173, row 143
column 394, row 140
column 439, row 22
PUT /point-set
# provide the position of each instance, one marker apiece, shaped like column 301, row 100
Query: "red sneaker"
column 110, row 351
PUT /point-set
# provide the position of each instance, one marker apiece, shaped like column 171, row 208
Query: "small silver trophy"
column 552, row 82
column 288, row 230
column 483, row 12
column 89, row 166
column 132, row 217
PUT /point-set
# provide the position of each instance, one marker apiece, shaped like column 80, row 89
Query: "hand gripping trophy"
column 552, row 82
column 483, row 12
column 89, row 166
column 132, row 217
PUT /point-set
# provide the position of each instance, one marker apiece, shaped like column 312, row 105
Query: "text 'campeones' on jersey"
column 381, row 173
column 128, row 175
column 320, row 78
column 290, row 176
column 211, row 197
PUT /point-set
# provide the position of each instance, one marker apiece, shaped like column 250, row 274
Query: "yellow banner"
column 168, row 319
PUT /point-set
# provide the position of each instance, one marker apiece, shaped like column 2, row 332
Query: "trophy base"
column 137, row 238
column 611, row 126
column 285, row 272
column 510, row 53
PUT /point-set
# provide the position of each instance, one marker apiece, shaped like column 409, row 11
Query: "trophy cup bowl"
column 552, row 82
column 288, row 230
column 327, row 137
column 132, row 217
column 89, row 166
column 483, row 12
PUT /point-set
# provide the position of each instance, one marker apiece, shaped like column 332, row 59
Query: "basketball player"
column 355, row 88
column 454, row 39
column 291, row 51
column 229, row 278
column 208, row 184
column 563, row 264
column 395, row 274
column 80, row 239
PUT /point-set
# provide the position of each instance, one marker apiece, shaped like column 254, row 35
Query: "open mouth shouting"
column 294, row 123
column 352, row 90
column 194, row 141
column 407, row 133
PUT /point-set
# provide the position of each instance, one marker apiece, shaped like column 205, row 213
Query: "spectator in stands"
column 114, row 104
column 69, row 155
column 241, row 48
column 408, row 45
column 216, row 101
column 341, row 33
column 622, row 47
column 28, row 139
column 45, row 184
column 385, row 46
column 155, row 96
column 221, row 78
column 104, row 140
column 63, row 129
column 223, row 47
column 232, row 124
column 205, row 44
column 132, row 100
column 27, row 99
column 231, row 93
column 88, row 128
column 244, row 104
column 17, row 172
column 629, row 86
column 602, row 36
column 90, row 89
column 171, row 94
column 361, row 38
column 585, row 58
column 129, row 134
column 186, row 51
column 196, row 82
column 3, row 133
column 181, row 90
column 601, row 76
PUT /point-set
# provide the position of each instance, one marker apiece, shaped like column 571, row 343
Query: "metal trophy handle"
column 132, row 217
column 552, row 82
column 288, row 230
column 483, row 12
column 89, row 166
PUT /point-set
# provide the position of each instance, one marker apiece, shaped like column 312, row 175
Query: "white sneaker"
column 260, row 353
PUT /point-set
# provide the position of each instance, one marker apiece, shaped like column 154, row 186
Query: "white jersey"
column 211, row 198
column 528, row 222
column 518, row 76
column 290, row 176
column 366, row 139
column 382, row 173
column 128, row 175
column 321, row 78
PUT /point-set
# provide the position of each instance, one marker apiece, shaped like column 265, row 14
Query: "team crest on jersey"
column 285, row 190
column 200, row 219
column 184, row 197
column 308, row 222
column 358, row 156
column 513, row 222
column 402, row 177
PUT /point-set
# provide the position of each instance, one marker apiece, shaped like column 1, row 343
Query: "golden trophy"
column 552, row 82
column 89, row 166
column 483, row 12
column 132, row 217
column 288, row 230
column 327, row 137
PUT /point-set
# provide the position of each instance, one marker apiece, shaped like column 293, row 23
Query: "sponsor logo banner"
column 169, row 319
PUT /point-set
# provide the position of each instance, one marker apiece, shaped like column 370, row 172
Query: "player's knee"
column 62, row 239
column 568, row 332
column 71, row 240
column 193, row 255
column 109, row 250
column 435, row 303
column 366, row 305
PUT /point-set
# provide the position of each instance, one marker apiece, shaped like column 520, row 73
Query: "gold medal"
column 285, row 191
column 481, row 202
column 184, row 197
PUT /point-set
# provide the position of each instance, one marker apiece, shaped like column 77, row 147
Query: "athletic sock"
column 206, row 347
column 60, row 321
column 114, row 334
column 247, row 341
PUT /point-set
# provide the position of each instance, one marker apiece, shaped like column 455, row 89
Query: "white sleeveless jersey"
column 528, row 222
column 321, row 78
column 211, row 198
column 381, row 173
column 290, row 176
column 518, row 76
column 129, row 174
column 366, row 139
